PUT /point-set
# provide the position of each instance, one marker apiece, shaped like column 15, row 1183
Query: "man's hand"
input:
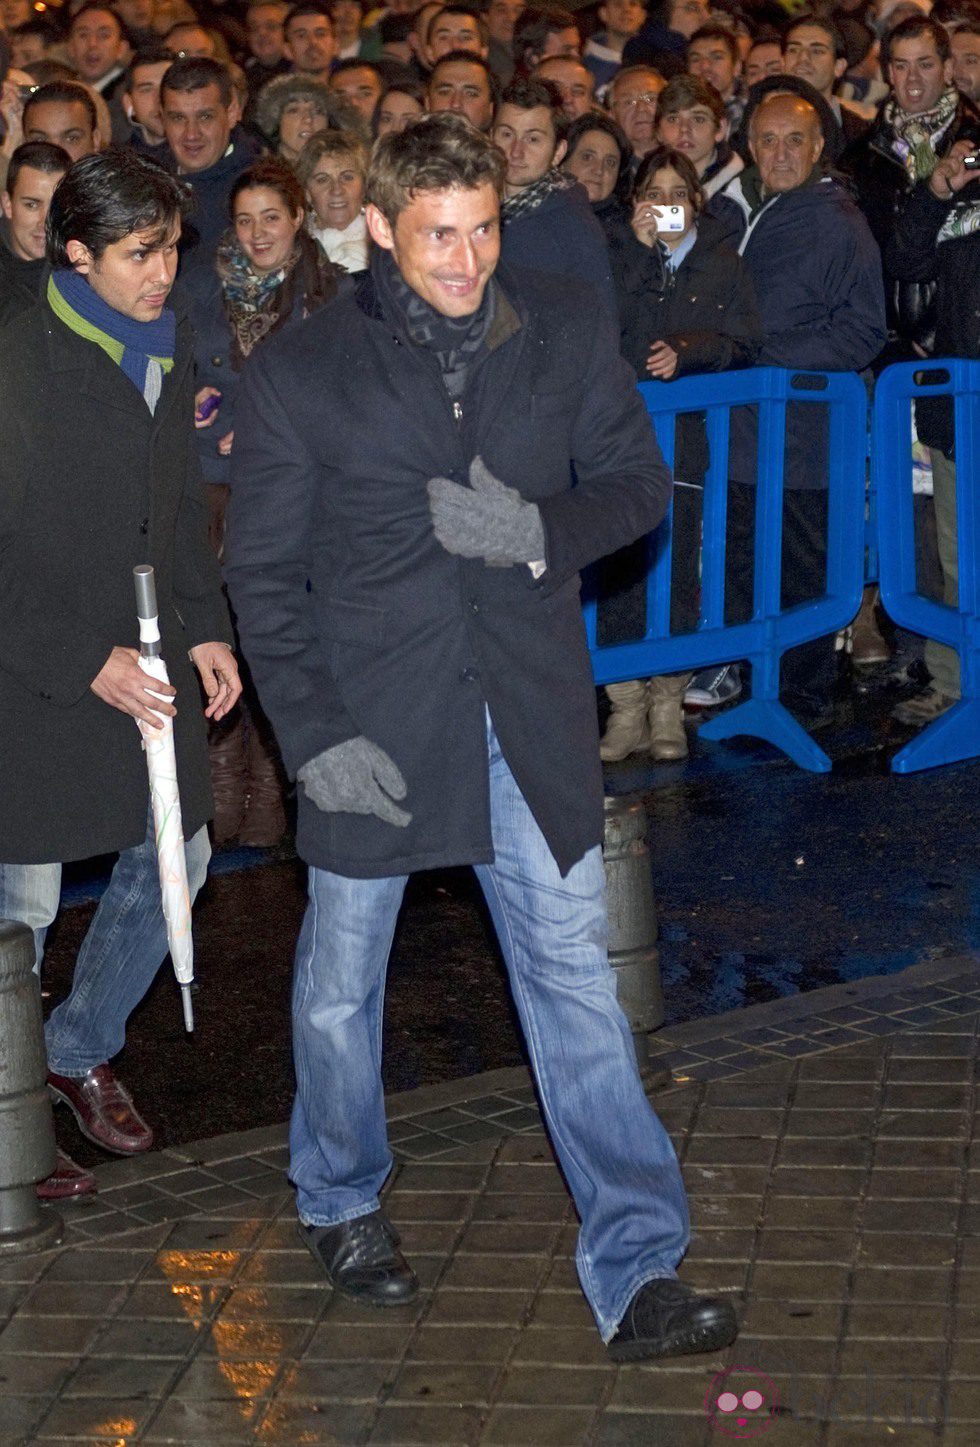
column 950, row 175
column 485, row 520
column 216, row 664
column 662, row 361
column 356, row 777
column 225, row 444
column 123, row 684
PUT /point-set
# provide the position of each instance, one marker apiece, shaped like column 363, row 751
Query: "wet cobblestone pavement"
column 829, row 1148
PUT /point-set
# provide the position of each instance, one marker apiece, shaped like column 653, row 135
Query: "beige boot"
column 668, row 739
column 626, row 730
column 867, row 644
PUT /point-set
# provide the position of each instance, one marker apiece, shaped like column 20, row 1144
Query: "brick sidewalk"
column 835, row 1191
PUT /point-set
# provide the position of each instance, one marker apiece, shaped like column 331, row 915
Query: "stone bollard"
column 27, row 1148
column 633, row 951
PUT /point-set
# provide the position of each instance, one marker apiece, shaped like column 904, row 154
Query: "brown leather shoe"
column 103, row 1109
column 66, row 1181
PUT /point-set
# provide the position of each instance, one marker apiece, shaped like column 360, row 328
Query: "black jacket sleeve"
column 267, row 564
column 623, row 484
column 910, row 252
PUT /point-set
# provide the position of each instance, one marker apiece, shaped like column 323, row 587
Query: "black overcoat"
column 90, row 485
column 355, row 620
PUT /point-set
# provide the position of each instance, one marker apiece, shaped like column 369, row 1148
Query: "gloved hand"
column 355, row 777
column 485, row 520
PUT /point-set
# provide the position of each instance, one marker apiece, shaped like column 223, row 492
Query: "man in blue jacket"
column 817, row 275
column 402, row 552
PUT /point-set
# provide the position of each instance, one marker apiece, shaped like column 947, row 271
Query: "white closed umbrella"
column 161, row 763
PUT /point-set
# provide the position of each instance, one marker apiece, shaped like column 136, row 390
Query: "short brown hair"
column 440, row 152
column 686, row 91
column 331, row 143
column 661, row 159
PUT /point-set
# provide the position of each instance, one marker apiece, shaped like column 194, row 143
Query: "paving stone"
column 811, row 1212
column 173, row 1339
column 817, row 1181
column 561, row 1346
column 801, row 1283
column 840, row 1065
column 918, row 1155
column 340, row 1342
column 962, row 1403
column 62, row 1298
column 34, row 1376
column 115, row 1419
column 120, row 1377
column 825, row 1151
column 912, row 1286
column 227, row 1379
column 346, row 1382
column 902, row 1248
column 49, row 1335
column 892, row 1358
column 183, row 1420
column 538, row 1427
column 730, row 1151
column 810, row 1320
column 155, row 1300
column 470, row 1308
column 21, row 1414
column 471, row 1383
column 660, row 1387
column 501, row 1273
column 507, row 1237
column 412, row 1425
column 642, row 1429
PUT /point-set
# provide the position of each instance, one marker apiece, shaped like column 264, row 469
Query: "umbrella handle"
column 146, row 610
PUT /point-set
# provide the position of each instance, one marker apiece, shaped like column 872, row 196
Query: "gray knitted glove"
column 355, row 777
column 485, row 520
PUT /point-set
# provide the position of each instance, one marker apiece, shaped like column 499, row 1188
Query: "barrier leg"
column 769, row 720
column 633, row 952
column 27, row 1148
column 949, row 739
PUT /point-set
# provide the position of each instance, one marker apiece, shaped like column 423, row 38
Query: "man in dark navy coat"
column 403, row 548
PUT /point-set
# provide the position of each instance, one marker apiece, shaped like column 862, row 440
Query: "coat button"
column 474, row 605
column 468, row 675
column 145, row 525
column 216, row 361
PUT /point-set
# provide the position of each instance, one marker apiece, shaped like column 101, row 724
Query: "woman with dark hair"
column 598, row 156
column 686, row 306
column 269, row 274
column 400, row 105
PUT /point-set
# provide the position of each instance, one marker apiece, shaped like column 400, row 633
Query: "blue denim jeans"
column 120, row 955
column 616, row 1156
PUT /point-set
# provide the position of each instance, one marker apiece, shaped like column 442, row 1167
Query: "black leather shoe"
column 362, row 1260
column 667, row 1319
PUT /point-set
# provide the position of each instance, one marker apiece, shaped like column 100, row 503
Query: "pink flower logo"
column 741, row 1402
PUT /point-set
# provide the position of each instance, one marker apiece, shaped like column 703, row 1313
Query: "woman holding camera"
column 686, row 306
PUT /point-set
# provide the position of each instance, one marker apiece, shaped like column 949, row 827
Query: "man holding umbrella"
column 98, row 473
column 402, row 555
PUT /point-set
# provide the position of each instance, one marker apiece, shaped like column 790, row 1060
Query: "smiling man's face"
column 446, row 245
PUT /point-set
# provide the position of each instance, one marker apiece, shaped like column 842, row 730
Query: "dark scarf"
column 531, row 197
column 131, row 344
column 256, row 306
column 757, row 195
column 456, row 341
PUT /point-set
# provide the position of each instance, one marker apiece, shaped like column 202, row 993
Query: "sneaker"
column 714, row 686
column 922, row 707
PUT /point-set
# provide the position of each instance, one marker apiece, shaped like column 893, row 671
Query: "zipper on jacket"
column 458, row 411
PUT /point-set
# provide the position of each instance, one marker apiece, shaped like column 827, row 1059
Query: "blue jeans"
column 616, row 1156
column 120, row 955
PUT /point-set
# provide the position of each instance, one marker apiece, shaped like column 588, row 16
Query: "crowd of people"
column 870, row 118
column 207, row 212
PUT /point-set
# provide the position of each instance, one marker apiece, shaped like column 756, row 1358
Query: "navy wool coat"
column 90, row 485
column 355, row 620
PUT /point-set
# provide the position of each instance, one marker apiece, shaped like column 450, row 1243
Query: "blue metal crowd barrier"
column 955, row 734
column 771, row 630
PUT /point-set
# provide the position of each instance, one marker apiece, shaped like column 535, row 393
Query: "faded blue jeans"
column 616, row 1156
column 120, row 955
